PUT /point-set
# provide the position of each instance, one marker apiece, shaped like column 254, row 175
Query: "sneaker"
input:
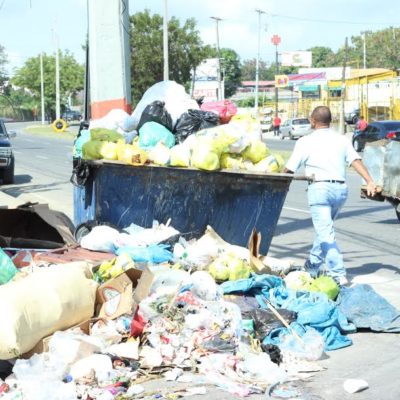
column 308, row 267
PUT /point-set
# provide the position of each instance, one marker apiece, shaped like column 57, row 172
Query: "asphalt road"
column 367, row 233
column 42, row 168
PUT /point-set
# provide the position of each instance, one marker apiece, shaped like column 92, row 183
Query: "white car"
column 295, row 128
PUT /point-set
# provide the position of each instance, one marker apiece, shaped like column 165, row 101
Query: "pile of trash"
column 168, row 128
column 125, row 306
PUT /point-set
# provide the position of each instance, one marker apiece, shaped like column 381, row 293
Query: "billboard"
column 207, row 70
column 296, row 58
column 281, row 81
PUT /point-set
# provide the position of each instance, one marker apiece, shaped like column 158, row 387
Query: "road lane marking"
column 297, row 209
column 17, row 152
column 42, row 157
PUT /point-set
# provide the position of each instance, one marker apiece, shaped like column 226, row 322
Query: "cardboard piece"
column 35, row 226
column 254, row 247
column 122, row 294
column 72, row 253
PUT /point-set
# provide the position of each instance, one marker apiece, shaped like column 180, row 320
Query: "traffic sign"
column 276, row 39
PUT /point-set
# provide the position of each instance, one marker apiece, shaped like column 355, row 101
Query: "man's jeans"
column 325, row 200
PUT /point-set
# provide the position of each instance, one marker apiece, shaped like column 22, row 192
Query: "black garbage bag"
column 192, row 121
column 265, row 321
column 273, row 351
column 156, row 112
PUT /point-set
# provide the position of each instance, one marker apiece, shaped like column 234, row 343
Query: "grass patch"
column 47, row 130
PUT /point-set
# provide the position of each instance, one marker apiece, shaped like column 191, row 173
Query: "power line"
column 331, row 21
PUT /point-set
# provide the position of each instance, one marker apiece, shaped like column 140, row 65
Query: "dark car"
column 71, row 115
column 352, row 116
column 7, row 160
column 376, row 131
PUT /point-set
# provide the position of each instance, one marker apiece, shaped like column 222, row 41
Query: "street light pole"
column 165, row 41
column 57, row 83
column 258, row 60
column 42, row 87
column 275, row 41
column 341, row 121
column 216, row 19
column 276, row 87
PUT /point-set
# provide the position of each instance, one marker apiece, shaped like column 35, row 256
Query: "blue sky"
column 26, row 25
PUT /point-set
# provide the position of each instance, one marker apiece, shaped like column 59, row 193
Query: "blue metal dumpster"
column 233, row 203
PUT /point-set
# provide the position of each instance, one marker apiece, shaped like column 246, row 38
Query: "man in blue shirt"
column 325, row 155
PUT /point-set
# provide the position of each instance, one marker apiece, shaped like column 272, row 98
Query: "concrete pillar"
column 109, row 56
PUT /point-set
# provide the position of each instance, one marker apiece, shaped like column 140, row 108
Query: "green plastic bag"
column 105, row 135
column 325, row 284
column 7, row 268
column 152, row 133
column 91, row 150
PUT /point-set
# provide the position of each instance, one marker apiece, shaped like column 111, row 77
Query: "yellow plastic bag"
column 113, row 268
column 268, row 164
column 205, row 158
column 218, row 139
column 256, row 151
column 180, row 156
column 229, row 267
column 231, row 161
column 108, row 151
column 131, row 154
column 160, row 154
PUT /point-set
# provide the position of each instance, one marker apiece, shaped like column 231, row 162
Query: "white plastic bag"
column 100, row 238
column 113, row 120
column 176, row 100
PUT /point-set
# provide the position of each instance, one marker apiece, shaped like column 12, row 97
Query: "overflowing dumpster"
column 382, row 159
column 233, row 203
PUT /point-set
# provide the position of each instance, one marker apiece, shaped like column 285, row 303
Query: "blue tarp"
column 367, row 309
column 313, row 309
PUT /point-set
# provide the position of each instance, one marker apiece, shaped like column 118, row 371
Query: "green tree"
column 249, row 70
column 71, row 78
column 383, row 48
column 322, row 57
column 3, row 63
column 186, row 51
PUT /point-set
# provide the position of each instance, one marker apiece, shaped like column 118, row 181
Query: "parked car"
column 266, row 123
column 295, row 128
column 376, row 131
column 7, row 160
column 71, row 115
column 352, row 116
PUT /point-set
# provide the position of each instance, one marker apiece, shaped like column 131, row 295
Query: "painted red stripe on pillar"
column 101, row 108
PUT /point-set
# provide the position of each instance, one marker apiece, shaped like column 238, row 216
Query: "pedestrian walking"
column 361, row 124
column 324, row 153
column 277, row 125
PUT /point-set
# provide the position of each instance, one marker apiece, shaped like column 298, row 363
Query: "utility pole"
column 275, row 41
column 364, row 51
column 42, row 88
column 55, row 37
column 258, row 60
column 341, row 121
column 216, row 19
column 165, row 41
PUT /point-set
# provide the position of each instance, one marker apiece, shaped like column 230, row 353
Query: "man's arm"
column 363, row 172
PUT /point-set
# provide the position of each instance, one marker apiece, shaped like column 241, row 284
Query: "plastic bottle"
column 7, row 268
